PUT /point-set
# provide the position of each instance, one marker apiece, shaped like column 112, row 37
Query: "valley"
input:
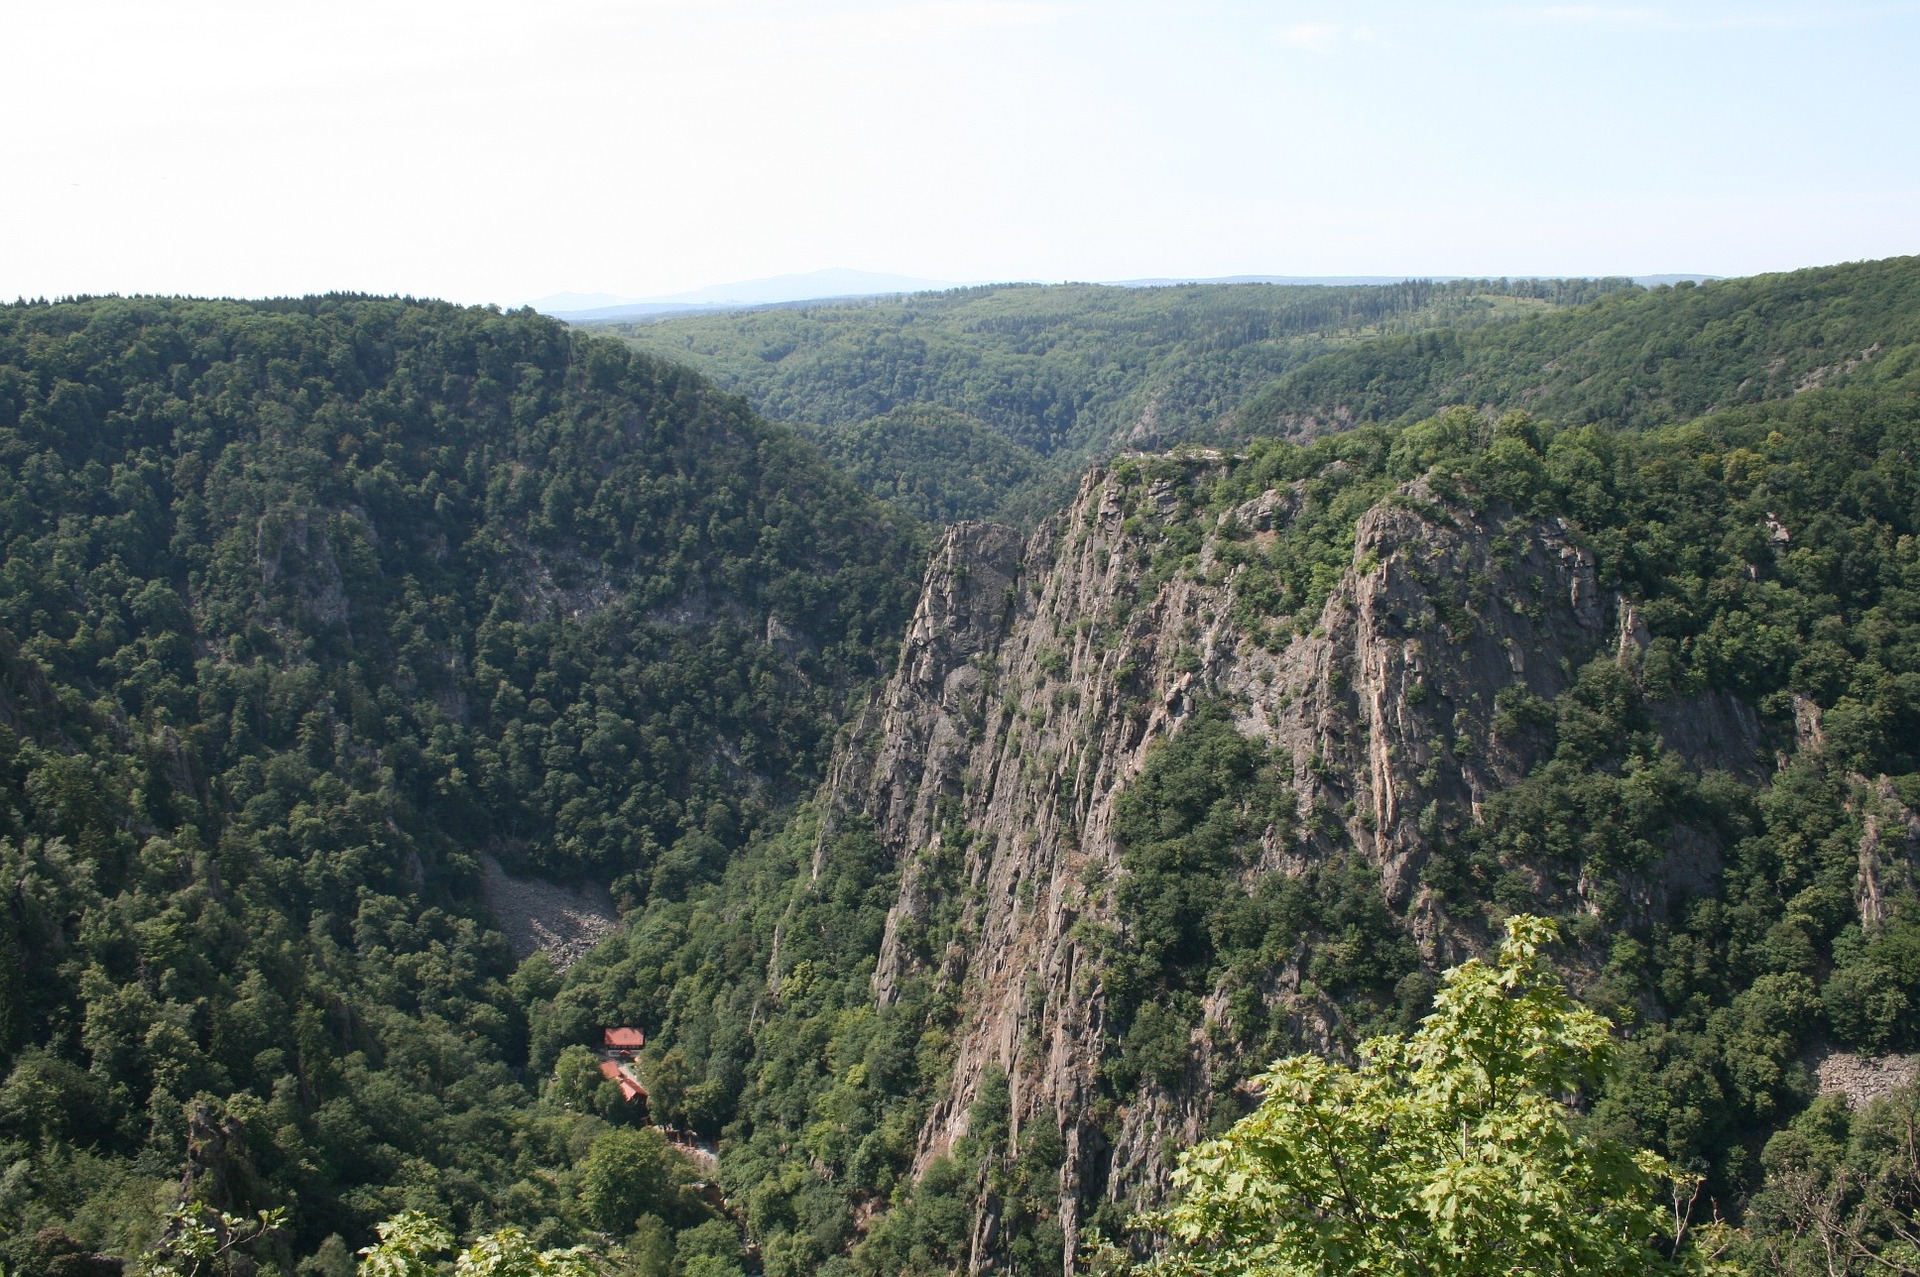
column 974, row 735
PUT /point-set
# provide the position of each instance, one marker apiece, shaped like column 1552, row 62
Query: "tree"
column 1450, row 1151
column 1842, row 1193
column 628, row 1174
column 198, row 1241
column 409, row 1241
column 711, row 1250
column 509, row 1252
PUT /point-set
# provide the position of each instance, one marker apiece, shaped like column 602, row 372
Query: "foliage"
column 196, row 1241
column 1060, row 374
column 409, row 1241
column 629, row 1174
column 1190, row 828
column 816, row 1092
column 1629, row 359
column 936, row 464
column 1718, row 994
column 1842, row 1195
column 305, row 606
column 1450, row 1151
column 1770, row 553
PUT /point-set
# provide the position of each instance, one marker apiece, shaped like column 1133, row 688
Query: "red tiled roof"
column 630, row 1090
column 625, row 1039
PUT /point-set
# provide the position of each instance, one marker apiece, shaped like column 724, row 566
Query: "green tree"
column 199, row 1241
column 1842, row 1192
column 1450, row 1151
column 628, row 1174
column 509, row 1252
column 711, row 1250
column 410, row 1241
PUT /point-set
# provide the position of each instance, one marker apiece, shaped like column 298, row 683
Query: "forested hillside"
column 1634, row 358
column 940, row 465
column 1069, row 373
column 960, row 891
column 306, row 608
column 1072, row 374
column 1736, row 897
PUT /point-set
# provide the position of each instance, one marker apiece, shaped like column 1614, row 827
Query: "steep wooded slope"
column 1634, row 358
column 307, row 606
column 1230, row 757
column 938, row 465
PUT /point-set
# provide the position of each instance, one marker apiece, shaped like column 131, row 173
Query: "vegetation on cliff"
column 1451, row 1150
column 308, row 605
column 1718, row 993
column 1770, row 553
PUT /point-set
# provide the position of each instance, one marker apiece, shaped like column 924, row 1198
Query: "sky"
column 501, row 150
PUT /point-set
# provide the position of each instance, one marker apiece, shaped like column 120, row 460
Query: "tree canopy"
column 1450, row 1151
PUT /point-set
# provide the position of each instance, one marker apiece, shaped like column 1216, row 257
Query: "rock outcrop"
column 1036, row 678
column 543, row 917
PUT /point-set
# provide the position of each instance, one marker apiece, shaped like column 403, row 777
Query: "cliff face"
column 1036, row 678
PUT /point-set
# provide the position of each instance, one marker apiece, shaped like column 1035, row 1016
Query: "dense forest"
column 1072, row 374
column 1633, row 358
column 306, row 608
column 312, row 609
column 1720, row 995
column 940, row 465
column 1064, row 373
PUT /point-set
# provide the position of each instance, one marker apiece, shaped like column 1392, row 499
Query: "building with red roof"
column 630, row 1090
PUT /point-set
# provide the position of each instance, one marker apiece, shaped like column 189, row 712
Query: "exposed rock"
column 294, row 551
column 543, row 917
column 1808, row 733
column 1889, row 851
column 1863, row 1078
column 562, row 581
column 1035, row 679
column 1819, row 376
column 1714, row 732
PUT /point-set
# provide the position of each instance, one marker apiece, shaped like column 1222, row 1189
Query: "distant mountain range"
column 819, row 285
column 1350, row 281
column 835, row 284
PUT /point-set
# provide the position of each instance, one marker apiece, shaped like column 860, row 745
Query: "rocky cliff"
column 1035, row 680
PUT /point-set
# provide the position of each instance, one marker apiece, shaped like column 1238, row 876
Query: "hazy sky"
column 497, row 150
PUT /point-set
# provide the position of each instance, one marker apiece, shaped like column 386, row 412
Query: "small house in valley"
column 630, row 1088
column 618, row 1047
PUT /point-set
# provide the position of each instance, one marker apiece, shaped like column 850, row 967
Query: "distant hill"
column 587, row 308
column 1348, row 281
column 1065, row 372
column 1074, row 372
column 1634, row 358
